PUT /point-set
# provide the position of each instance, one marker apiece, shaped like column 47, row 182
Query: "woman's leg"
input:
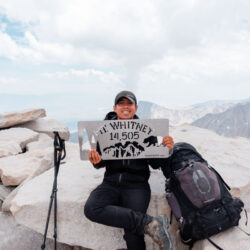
column 105, row 206
column 138, row 201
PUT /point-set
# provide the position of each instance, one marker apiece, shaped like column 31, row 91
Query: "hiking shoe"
column 157, row 229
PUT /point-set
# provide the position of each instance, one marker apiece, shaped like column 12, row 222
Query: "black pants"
column 121, row 207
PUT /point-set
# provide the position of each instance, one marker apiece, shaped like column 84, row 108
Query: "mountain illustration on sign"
column 129, row 148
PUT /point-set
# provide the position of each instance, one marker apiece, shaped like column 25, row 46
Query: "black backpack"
column 198, row 196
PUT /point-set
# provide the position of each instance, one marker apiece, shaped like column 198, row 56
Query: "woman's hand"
column 94, row 156
column 168, row 141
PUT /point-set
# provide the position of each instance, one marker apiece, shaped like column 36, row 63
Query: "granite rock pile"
column 26, row 172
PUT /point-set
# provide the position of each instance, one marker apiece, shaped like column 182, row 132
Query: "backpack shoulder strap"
column 248, row 234
column 214, row 244
column 227, row 186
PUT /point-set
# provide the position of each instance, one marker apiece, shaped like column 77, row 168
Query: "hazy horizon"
column 72, row 58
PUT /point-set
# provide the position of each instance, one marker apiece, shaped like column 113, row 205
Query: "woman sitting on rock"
column 122, row 199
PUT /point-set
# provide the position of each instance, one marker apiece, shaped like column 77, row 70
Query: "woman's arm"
column 96, row 159
column 167, row 141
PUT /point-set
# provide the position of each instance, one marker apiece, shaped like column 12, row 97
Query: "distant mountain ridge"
column 149, row 110
column 221, row 102
column 178, row 116
column 233, row 122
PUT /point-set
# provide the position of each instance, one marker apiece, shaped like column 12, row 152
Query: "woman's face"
column 125, row 109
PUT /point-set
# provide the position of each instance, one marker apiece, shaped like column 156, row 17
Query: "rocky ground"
column 26, row 171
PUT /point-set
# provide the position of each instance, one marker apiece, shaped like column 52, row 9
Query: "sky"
column 73, row 57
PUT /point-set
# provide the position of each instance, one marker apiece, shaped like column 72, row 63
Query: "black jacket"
column 133, row 173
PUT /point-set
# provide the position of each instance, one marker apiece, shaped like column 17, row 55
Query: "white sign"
column 124, row 139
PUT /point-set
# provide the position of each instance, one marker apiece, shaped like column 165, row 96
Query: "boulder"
column 44, row 141
column 75, row 182
column 46, row 163
column 14, row 140
column 76, row 179
column 47, row 126
column 8, row 148
column 14, row 236
column 15, row 118
column 244, row 194
column 15, row 169
column 233, row 238
column 4, row 191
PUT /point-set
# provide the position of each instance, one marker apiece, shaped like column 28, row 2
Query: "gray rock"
column 8, row 148
column 19, row 117
column 5, row 191
column 75, row 182
column 44, row 141
column 45, row 164
column 76, row 179
column 47, row 126
column 231, row 239
column 14, row 140
column 15, row 169
column 15, row 236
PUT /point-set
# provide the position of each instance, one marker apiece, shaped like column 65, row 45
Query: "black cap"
column 125, row 94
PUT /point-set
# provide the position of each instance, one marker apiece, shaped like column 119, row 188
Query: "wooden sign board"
column 124, row 139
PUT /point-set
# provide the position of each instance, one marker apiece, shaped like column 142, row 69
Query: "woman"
column 122, row 199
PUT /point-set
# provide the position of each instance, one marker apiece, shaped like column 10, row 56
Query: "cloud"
column 62, row 82
column 165, row 51
column 95, row 32
column 78, row 94
column 11, row 50
column 218, row 73
column 36, row 52
column 89, row 81
column 131, row 34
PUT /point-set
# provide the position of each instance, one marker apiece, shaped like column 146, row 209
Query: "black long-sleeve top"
column 132, row 173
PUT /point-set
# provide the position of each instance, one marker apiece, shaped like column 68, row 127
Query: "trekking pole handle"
column 59, row 145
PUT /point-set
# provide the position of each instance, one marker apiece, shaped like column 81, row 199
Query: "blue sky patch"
column 12, row 28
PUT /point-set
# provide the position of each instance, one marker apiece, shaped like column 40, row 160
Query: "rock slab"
column 15, row 169
column 14, row 236
column 15, row 118
column 47, row 126
column 14, row 140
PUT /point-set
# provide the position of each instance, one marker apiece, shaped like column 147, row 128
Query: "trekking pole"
column 59, row 154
